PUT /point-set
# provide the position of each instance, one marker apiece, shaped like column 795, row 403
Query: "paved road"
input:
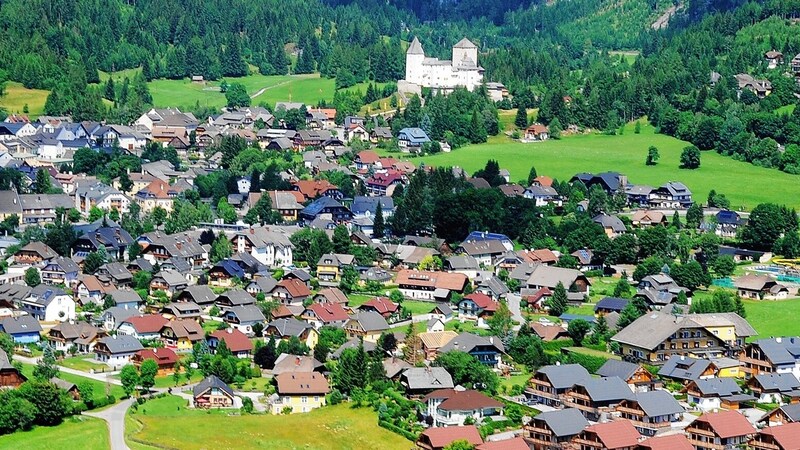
column 115, row 418
column 103, row 377
column 513, row 305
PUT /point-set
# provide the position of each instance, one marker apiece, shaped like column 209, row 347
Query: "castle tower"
column 414, row 58
column 465, row 54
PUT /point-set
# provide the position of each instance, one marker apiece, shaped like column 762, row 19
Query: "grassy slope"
column 100, row 388
column 17, row 96
column 74, row 433
column 773, row 318
column 336, row 427
column 744, row 184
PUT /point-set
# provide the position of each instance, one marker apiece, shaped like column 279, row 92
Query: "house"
column 610, row 182
column 720, row 430
column 781, row 415
column 143, row 326
column 199, row 294
column 549, row 331
column 434, row 325
column 23, row 329
column 483, row 251
column 728, row 224
column 646, row 218
column 106, row 234
column 487, row 350
column 494, row 287
column 330, row 267
column 291, row 292
column 714, row 393
column 612, row 225
column 587, row 260
column 554, row 429
column 367, row 325
column 610, row 304
column 543, row 195
column 393, row 367
column 325, row 208
column 651, row 411
column 286, row 203
column 286, row 363
column 667, row 442
column 10, row 376
column 441, row 437
column 659, row 290
column 81, row 335
column 784, row 437
column 244, row 318
column 212, row 393
column 314, row 189
column 181, row 334
column 331, row 295
column 383, row 184
column 433, row 341
column 597, row 397
column 48, row 304
column 773, row 355
column 223, row 273
column 537, row 132
column 365, row 159
column 114, row 316
column 451, row 407
column 774, row 387
column 672, row 195
column 116, row 273
column 125, row 298
column 549, row 385
column 117, row 350
column 270, row 247
column 34, row 253
column 237, row 342
column 165, row 358
column 60, row 270
column 616, row 435
column 639, row 379
column 300, row 392
column 380, row 134
column 761, row 88
column 261, row 285
column 168, row 281
column 290, row 327
column 477, row 306
column 686, row 369
column 382, row 306
column 575, row 282
column 182, row 310
column 760, row 287
column 421, row 380
column 325, row 314
column 159, row 194
column 100, row 195
column 774, row 59
column 412, row 139
column 431, row 286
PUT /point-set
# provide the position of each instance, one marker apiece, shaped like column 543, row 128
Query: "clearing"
column 17, row 96
column 75, row 432
column 167, row 422
column 744, row 184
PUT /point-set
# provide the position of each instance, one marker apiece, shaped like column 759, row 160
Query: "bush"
column 394, row 428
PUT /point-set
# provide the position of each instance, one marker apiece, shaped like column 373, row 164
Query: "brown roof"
column 437, row 339
column 186, row 328
column 162, row 356
column 617, row 434
column 302, row 383
column 150, row 323
column 672, row 442
column 281, row 311
column 295, row 287
column 727, row 424
column 313, row 188
column 543, row 180
column 333, row 295
column 786, row 435
column 438, row 280
column 329, row 312
column 382, row 305
column 648, row 216
column 443, row 436
column 508, row 444
column 753, row 282
column 548, row 332
column 542, row 255
column 368, row 157
column 235, row 340
column 537, row 128
column 463, row 400
column 93, row 284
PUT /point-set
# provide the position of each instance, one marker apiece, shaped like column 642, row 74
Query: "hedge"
column 394, row 428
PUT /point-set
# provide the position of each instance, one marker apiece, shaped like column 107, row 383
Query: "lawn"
column 168, row 423
column 744, row 184
column 168, row 381
column 83, row 363
column 773, row 317
column 75, row 432
column 17, row 96
column 100, row 389
column 417, row 307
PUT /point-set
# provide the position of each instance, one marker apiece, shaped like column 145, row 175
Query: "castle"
column 442, row 75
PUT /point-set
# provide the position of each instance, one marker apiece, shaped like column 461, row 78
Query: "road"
column 115, row 418
column 103, row 377
column 513, row 302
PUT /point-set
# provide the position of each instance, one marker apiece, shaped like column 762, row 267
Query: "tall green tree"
column 378, row 224
column 558, row 302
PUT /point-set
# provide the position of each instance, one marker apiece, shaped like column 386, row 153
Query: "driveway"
column 513, row 302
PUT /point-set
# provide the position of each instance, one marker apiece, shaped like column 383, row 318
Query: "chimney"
column 778, row 340
column 229, row 330
column 297, row 361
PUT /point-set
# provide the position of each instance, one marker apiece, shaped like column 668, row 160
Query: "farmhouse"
column 431, row 286
column 300, row 392
column 212, row 393
column 760, row 287
column 724, row 429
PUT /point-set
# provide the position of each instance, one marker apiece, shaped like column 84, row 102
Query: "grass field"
column 17, row 97
column 744, row 184
column 168, row 423
column 76, row 432
column 83, row 363
column 100, row 389
column 773, row 317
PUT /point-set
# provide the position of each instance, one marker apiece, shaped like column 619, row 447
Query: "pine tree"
column 378, row 224
column 477, row 130
column 305, row 63
column 255, row 181
column 532, row 175
column 234, row 64
column 676, row 221
column 521, row 120
column 110, row 92
column 558, row 302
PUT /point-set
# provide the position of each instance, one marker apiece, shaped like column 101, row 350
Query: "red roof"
column 368, row 157
column 617, row 434
column 384, row 179
column 442, row 437
column 482, row 300
column 786, row 435
column 295, row 287
column 543, row 180
column 727, row 424
column 313, row 188
column 235, row 340
column 437, row 280
column 507, row 444
column 672, row 442
column 538, row 295
column 329, row 312
column 281, row 311
column 150, row 323
column 162, row 356
column 382, row 305
column 541, row 255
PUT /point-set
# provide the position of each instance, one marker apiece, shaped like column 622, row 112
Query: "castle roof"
column 415, row 48
column 464, row 43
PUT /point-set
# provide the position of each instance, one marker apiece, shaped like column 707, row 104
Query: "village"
column 616, row 319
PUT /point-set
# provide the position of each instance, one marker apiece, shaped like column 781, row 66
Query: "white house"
column 102, row 196
column 243, row 185
column 48, row 304
column 451, row 407
column 269, row 247
column 117, row 350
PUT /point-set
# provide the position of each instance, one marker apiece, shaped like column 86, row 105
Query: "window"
column 304, row 399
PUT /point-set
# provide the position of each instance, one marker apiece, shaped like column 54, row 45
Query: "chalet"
column 434, row 341
column 612, row 225
column 158, row 248
column 666, row 442
column 638, row 378
column 181, row 334
column 382, row 306
column 774, row 387
column 610, row 304
column 331, row 295
column 367, row 325
column 549, row 331
column 285, row 329
column 10, row 376
column 477, row 305
column 686, row 369
column 383, row 184
column 111, row 237
column 286, row 363
column 300, row 392
column 774, row 59
column 672, row 195
column 760, row 287
column 785, row 437
column 182, row 310
column 325, row 314
column 487, row 350
column 659, row 290
column 761, row 88
column 494, row 287
column 645, row 218
column 244, row 318
column 422, row 380
column 212, row 393
column 412, row 139
column 23, row 329
column 34, row 253
column 484, row 251
column 728, row 223
column 724, row 429
column 365, row 159
column 310, row 138
column 60, row 270
column 143, row 326
column 588, row 260
column 512, row 190
column 236, row 341
column 781, row 415
column 537, row 132
column 114, row 316
column 165, row 358
column 548, row 277
column 380, row 134
column 233, row 298
column 651, row 411
column 452, row 407
column 610, row 182
column 423, row 285
column 773, row 355
column 325, row 208
column 393, row 367
column 116, row 273
column 549, row 385
column 314, row 189
column 291, row 292
column 438, row 438
column 91, row 289
column 269, row 247
column 223, row 273
column 554, row 429
column 81, row 335
column 596, row 397
column 168, row 281
column 330, row 267
column 117, row 350
column 48, row 304
column 201, row 295
column 261, row 285
column 714, row 393
column 616, row 435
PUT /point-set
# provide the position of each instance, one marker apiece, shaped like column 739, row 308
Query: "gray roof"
column 428, row 378
column 658, row 403
column 4, row 361
column 236, row 297
column 564, row 422
column 617, row 368
column 120, row 314
column 369, row 347
column 612, row 222
column 684, row 368
column 44, row 294
column 718, row 387
column 20, row 324
column 465, row 43
column 415, row 48
column 125, row 296
column 201, row 294
column 607, row 389
column 10, row 203
column 466, row 342
column 370, row 321
column 650, row 330
column 566, row 375
column 247, row 313
column 781, row 382
column 289, row 326
column 122, row 343
column 211, row 382
column 611, row 303
column 463, row 262
column 171, row 277
column 550, row 276
column 791, row 410
column 785, row 350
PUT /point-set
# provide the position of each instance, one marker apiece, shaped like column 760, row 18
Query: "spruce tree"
column 558, row 302
column 521, row 120
column 378, row 225
column 110, row 92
